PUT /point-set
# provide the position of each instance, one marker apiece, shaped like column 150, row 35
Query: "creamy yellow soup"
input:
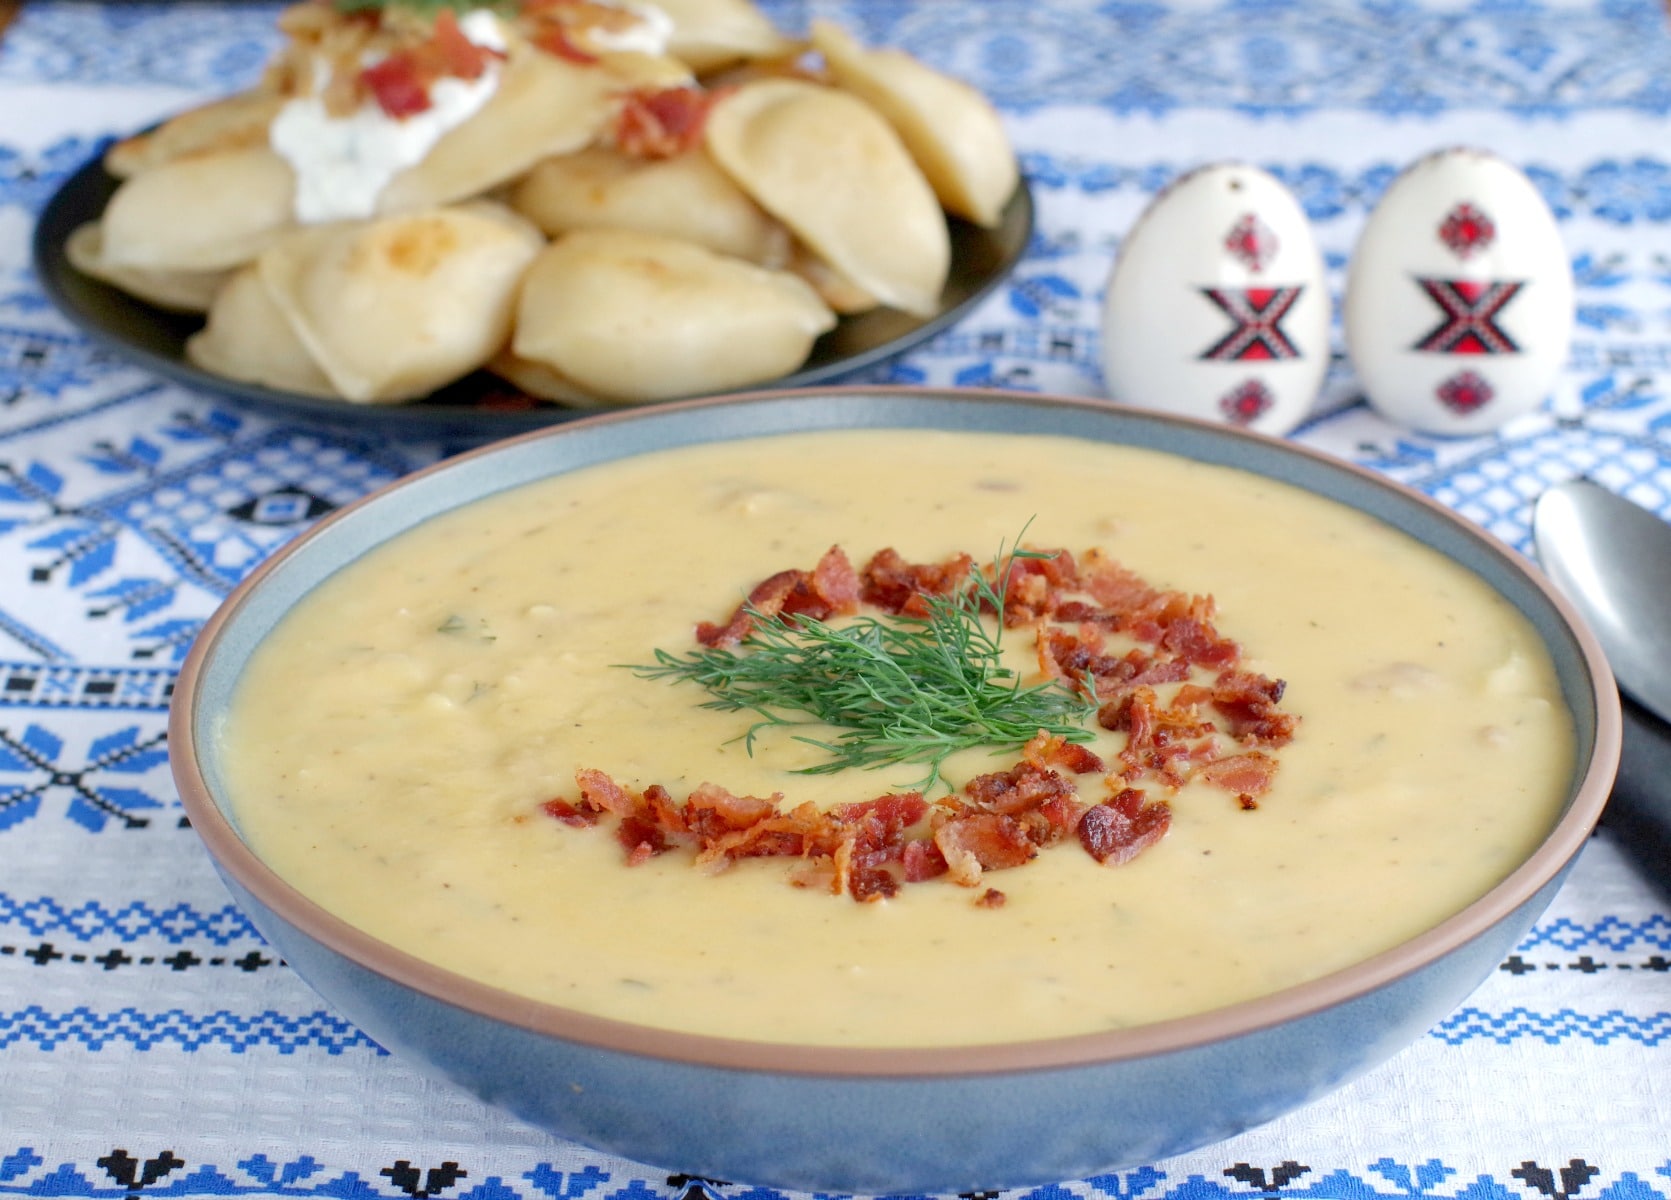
column 393, row 742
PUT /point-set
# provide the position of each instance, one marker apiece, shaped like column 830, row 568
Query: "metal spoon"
column 1612, row 559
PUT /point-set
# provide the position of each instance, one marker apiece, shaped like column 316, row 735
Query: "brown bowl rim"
column 1562, row 843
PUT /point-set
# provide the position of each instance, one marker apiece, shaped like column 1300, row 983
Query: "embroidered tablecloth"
column 152, row 1044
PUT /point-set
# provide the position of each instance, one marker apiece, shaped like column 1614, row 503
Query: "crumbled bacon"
column 662, row 123
column 1249, row 702
column 983, row 842
column 1118, row 830
column 1002, row 819
column 890, row 583
column 568, row 814
column 1248, row 775
column 401, row 82
column 1053, row 750
column 397, row 86
column 831, row 589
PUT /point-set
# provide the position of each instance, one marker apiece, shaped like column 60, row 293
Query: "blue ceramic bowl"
column 867, row 1120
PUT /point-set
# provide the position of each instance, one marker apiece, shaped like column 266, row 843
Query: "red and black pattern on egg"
column 1216, row 307
column 1459, row 299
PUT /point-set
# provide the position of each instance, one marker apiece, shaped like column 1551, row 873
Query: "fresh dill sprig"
column 902, row 689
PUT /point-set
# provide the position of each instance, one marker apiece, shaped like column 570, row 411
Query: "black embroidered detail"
column 696, row 1187
column 1584, row 964
column 422, row 1186
column 1573, row 1177
column 134, row 1175
column 44, row 954
column 1281, row 1175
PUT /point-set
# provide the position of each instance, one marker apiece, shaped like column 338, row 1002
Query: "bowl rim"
column 236, row 859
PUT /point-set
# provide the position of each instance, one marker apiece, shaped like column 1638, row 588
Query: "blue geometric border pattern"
column 128, row 1028
column 131, row 922
column 163, row 1172
column 88, row 1030
column 1260, row 57
column 1520, row 1024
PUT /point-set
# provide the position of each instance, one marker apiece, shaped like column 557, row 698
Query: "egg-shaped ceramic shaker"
column 1459, row 298
column 1216, row 305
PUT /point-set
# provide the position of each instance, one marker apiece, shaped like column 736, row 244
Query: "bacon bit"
column 1247, row 802
column 568, row 814
column 1118, row 830
column 1248, row 701
column 600, row 793
column 983, row 842
column 401, row 82
column 397, row 86
column 641, row 838
column 1248, row 774
column 1032, row 587
column 766, row 598
column 991, row 898
column 922, row 860
column 1194, row 641
column 1052, row 750
column 662, row 123
column 458, row 55
column 870, row 884
column 1024, row 787
column 835, row 583
column 890, row 583
column 879, row 822
column 712, row 812
column 829, row 590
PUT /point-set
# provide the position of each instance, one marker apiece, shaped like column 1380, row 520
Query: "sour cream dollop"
column 342, row 164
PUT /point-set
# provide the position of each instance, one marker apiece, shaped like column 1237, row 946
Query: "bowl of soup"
column 887, row 790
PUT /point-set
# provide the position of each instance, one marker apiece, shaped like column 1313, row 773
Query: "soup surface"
column 394, row 741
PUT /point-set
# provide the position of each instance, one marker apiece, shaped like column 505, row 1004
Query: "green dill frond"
column 900, row 689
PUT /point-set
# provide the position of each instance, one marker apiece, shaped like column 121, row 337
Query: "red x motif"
column 1258, row 314
column 1471, row 309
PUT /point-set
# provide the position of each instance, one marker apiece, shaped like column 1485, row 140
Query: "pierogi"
column 953, row 132
column 208, row 212
column 827, row 165
column 685, row 197
column 595, row 298
column 394, row 747
column 247, row 336
column 178, row 291
column 395, row 307
column 590, row 114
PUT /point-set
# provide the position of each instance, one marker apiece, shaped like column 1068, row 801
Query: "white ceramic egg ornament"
column 1459, row 296
column 1216, row 306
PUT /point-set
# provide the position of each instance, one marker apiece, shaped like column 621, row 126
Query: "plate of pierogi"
column 480, row 217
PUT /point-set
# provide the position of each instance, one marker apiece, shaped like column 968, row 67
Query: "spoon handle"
column 1640, row 810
